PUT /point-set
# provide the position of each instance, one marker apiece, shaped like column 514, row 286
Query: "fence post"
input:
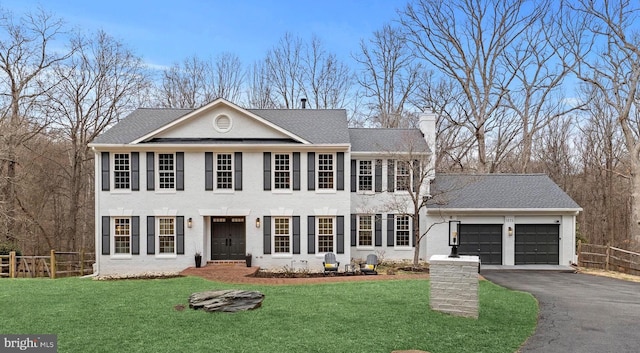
column 81, row 262
column 606, row 265
column 53, row 264
column 12, row 264
column 579, row 250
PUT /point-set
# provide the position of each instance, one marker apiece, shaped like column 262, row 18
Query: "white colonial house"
column 288, row 186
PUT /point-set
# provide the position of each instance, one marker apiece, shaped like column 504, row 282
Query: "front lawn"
column 377, row 316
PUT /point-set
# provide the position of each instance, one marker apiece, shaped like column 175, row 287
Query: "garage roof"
column 499, row 192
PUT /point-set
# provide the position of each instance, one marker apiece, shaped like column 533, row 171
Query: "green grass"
column 377, row 316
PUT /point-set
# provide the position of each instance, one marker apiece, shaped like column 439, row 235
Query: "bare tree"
column 25, row 55
column 469, row 41
column 283, row 66
column 228, row 77
column 613, row 72
column 259, row 94
column 389, row 76
column 325, row 80
column 97, row 85
column 185, row 85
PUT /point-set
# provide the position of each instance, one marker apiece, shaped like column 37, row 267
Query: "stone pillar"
column 454, row 285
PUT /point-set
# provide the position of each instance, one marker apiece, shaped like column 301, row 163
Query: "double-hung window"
column 282, row 235
column 166, row 171
column 121, row 171
column 326, row 234
column 365, row 230
column 326, row 171
column 166, row 236
column 403, row 176
column 224, row 171
column 282, row 171
column 122, row 236
column 365, row 176
column 403, row 230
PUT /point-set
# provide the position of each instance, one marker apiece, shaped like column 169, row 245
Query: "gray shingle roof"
column 498, row 191
column 139, row 123
column 317, row 126
column 387, row 140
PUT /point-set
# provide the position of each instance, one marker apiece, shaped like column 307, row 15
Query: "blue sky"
column 163, row 32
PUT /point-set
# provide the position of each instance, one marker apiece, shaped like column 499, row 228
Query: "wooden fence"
column 57, row 264
column 608, row 258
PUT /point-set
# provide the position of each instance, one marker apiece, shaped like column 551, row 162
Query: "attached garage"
column 505, row 219
column 483, row 240
column 537, row 244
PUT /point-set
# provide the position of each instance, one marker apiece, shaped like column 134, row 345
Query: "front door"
column 227, row 238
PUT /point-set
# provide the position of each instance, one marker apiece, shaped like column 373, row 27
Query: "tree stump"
column 226, row 300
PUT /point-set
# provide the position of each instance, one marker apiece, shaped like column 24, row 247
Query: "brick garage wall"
column 454, row 285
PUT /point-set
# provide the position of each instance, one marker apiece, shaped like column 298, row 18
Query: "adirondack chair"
column 370, row 267
column 330, row 264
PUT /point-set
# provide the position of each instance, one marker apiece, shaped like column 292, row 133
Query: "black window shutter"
column 296, row 234
column 296, row 170
column 266, row 167
column 311, row 235
column 390, row 230
column 354, row 230
column 354, row 173
column 391, row 175
column 378, row 233
column 311, row 172
column 104, row 158
column 135, row 171
column 208, row 170
column 106, row 234
column 179, row 170
column 151, row 235
column 340, row 168
column 340, row 234
column 180, row 235
column 266, row 232
column 150, row 171
column 378, row 175
column 135, row 235
column 416, row 175
column 237, row 171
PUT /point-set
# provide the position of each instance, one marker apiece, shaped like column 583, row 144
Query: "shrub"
column 6, row 248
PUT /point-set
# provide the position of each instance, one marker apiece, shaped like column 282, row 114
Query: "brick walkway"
column 240, row 273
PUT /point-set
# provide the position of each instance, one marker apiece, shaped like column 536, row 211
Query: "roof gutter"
column 503, row 210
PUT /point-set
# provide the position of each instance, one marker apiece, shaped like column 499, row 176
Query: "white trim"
column 224, row 211
column 158, row 254
column 372, row 217
column 112, row 172
column 514, row 211
column 325, row 211
column 215, row 173
column 334, row 225
column 334, row 173
column 219, row 101
column 165, row 212
column 113, row 235
column 273, row 173
column 373, row 177
column 156, row 172
column 281, row 212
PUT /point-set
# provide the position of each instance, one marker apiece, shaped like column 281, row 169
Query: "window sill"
column 120, row 191
column 359, row 192
column 166, row 256
column 326, row 191
column 121, row 257
column 223, row 191
column 282, row 256
column 367, row 247
column 282, row 191
column 403, row 248
column 165, row 192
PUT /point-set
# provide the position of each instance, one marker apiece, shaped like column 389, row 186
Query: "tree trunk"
column 634, row 226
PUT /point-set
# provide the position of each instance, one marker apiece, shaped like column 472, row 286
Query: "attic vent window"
column 222, row 123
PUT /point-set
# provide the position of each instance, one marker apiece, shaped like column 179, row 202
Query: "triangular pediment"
column 218, row 121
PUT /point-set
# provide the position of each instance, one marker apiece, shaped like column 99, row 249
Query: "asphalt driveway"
column 578, row 312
